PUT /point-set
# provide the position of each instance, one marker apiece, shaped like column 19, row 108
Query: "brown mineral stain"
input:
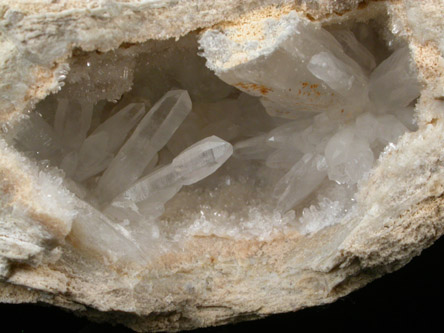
column 362, row 5
column 254, row 87
column 433, row 121
column 310, row 17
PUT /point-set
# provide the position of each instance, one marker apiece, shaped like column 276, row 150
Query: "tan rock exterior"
column 213, row 281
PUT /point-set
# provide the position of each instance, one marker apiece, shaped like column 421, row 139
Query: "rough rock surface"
column 213, row 280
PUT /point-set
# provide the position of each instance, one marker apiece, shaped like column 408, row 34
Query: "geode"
column 172, row 165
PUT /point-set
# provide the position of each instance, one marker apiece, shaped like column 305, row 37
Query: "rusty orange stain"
column 253, row 86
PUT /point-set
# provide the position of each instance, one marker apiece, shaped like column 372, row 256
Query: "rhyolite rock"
column 59, row 247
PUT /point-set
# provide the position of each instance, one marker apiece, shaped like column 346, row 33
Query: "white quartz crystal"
column 274, row 66
column 288, row 148
column 252, row 149
column 36, row 136
column 193, row 164
column 72, row 122
column 348, row 81
column 283, row 158
column 94, row 231
column 93, row 156
column 393, row 84
column 187, row 134
column 348, row 157
column 353, row 48
column 152, row 133
column 98, row 149
column 119, row 125
column 300, row 181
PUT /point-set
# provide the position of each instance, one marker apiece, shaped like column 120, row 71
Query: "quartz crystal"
column 252, row 149
column 355, row 50
column 348, row 157
column 36, row 136
column 98, row 149
column 393, row 84
column 193, row 164
column 300, row 181
column 343, row 78
column 152, row 133
column 72, row 122
column 289, row 148
column 291, row 87
column 93, row 230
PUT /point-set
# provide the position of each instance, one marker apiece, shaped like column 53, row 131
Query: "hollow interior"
column 156, row 148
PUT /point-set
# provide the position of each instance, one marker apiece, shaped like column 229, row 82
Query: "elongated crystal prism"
column 298, row 183
column 37, row 136
column 93, row 230
column 152, row 133
column 94, row 156
column 283, row 158
column 394, row 83
column 279, row 136
column 193, row 164
column 253, row 148
column 274, row 65
column 72, row 122
column 348, row 156
column 98, row 149
column 119, row 125
column 347, row 80
column 353, row 48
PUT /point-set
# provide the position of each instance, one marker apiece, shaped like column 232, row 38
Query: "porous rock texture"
column 212, row 280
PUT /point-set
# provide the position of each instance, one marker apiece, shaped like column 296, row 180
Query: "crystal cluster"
column 346, row 107
column 185, row 154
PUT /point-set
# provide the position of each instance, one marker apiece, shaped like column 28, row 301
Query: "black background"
column 407, row 299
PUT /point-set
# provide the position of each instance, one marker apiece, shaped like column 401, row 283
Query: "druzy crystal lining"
column 277, row 138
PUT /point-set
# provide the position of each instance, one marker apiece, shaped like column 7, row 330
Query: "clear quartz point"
column 72, row 122
column 193, row 164
column 252, row 149
column 347, row 79
column 119, row 125
column 98, row 149
column 152, row 133
column 91, row 229
column 300, row 181
column 394, row 83
column 94, row 156
column 355, row 50
column 37, row 136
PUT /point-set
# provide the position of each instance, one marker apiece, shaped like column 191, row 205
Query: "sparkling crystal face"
column 282, row 144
